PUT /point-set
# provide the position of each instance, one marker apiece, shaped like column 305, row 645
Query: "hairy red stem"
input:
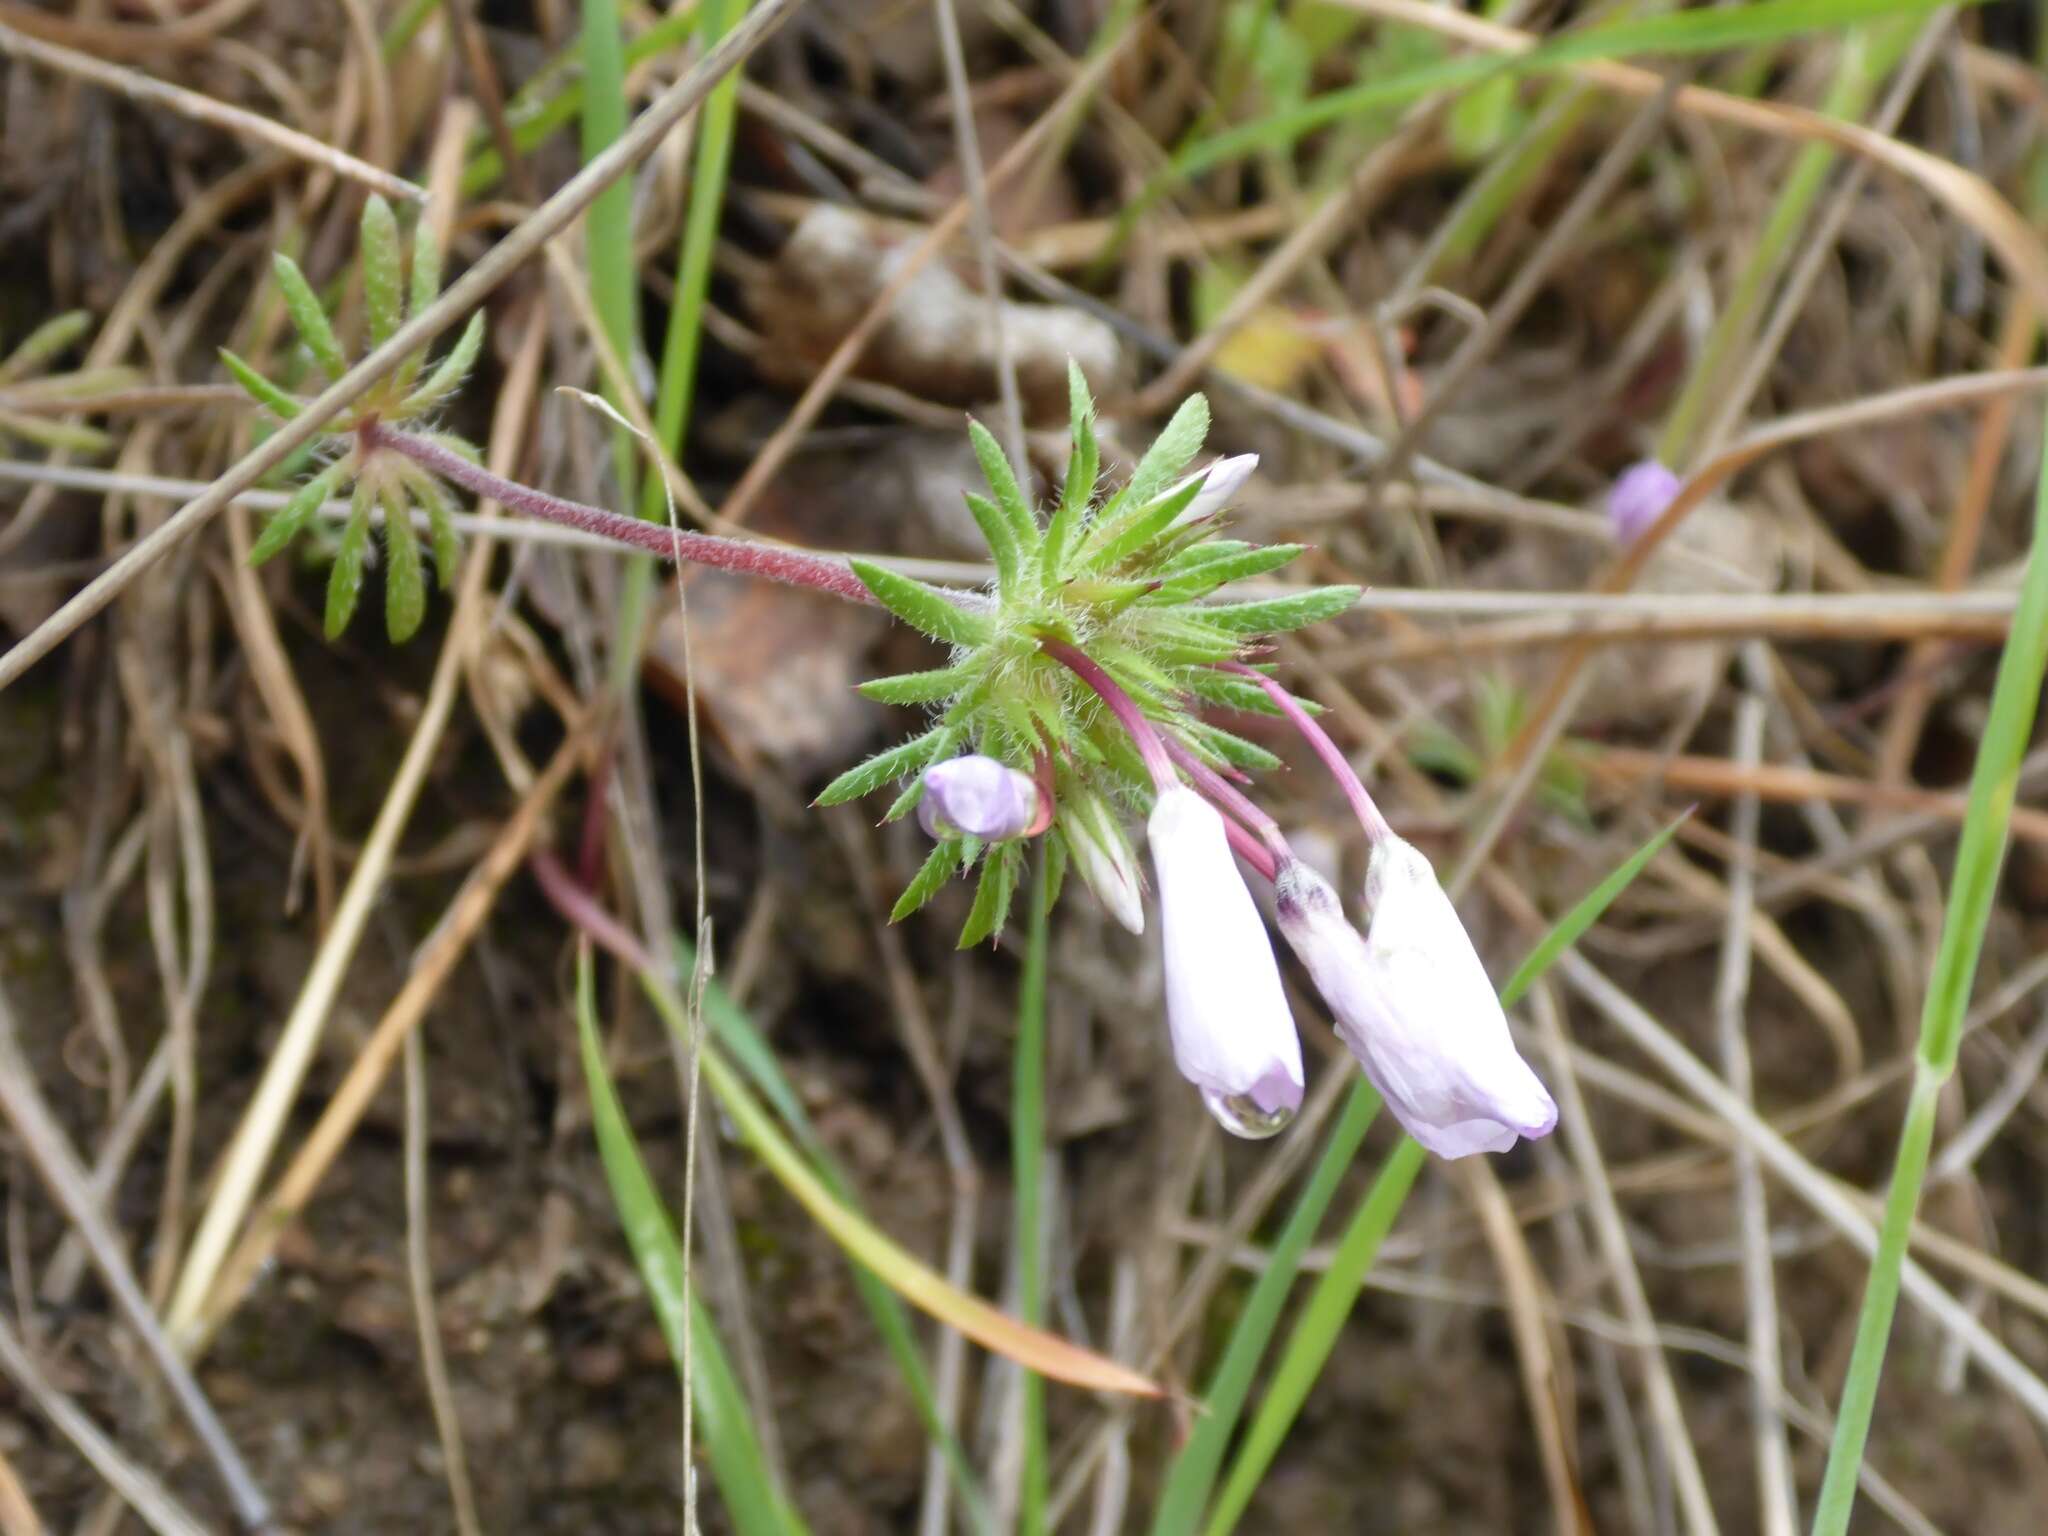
column 1235, row 803
column 791, row 567
column 1340, row 767
column 1144, row 735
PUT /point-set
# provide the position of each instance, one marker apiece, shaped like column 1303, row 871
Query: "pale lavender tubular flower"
column 1103, row 858
column 1414, row 1005
column 1639, row 498
column 1221, row 482
column 977, row 797
column 1233, row 1036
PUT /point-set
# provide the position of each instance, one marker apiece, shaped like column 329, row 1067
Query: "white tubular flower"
column 1103, row 858
column 1221, row 482
column 1233, row 1036
column 977, row 797
column 1414, row 1005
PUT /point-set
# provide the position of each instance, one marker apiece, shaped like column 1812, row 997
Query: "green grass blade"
column 554, row 99
column 1695, row 31
column 608, row 225
column 676, row 393
column 1193, row 1472
column 1315, row 1332
column 1027, row 1163
column 1585, row 912
column 739, row 1037
column 737, row 1464
column 1980, row 856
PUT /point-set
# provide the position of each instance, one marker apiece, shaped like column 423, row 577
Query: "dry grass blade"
column 431, row 968
column 50, row 1150
column 1965, row 194
column 143, row 1492
column 241, row 1165
column 201, row 108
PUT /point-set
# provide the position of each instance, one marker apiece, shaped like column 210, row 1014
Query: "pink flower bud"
column 977, row 797
column 1221, row 482
column 1233, row 1036
column 1639, row 498
column 1102, row 857
column 1414, row 1005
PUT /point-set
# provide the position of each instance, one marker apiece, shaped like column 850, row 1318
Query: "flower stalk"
column 793, row 568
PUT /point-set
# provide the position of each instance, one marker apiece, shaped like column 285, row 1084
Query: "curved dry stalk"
column 200, row 107
column 1777, row 1498
column 458, row 299
column 1814, row 1187
column 231, row 1279
column 153, row 1503
column 419, row 1271
column 50, row 1150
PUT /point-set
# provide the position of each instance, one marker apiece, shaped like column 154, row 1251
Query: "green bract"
column 376, row 482
column 1130, row 581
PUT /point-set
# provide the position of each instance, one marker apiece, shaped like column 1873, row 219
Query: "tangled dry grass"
column 274, row 963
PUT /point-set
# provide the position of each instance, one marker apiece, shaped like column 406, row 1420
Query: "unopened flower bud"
column 1221, row 482
column 977, row 797
column 1414, row 1005
column 1233, row 1036
column 1102, row 857
column 1639, row 498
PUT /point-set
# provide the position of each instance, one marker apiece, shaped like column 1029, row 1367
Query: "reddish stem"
column 580, row 908
column 1144, row 735
column 1233, row 802
column 791, row 567
column 1251, row 850
column 1340, row 767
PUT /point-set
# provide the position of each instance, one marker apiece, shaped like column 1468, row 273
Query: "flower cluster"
column 1074, row 686
column 1126, row 581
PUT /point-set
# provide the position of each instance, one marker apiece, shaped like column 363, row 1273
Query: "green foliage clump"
column 373, row 479
column 1128, row 579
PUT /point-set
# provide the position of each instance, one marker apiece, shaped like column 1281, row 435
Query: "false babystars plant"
column 362, row 463
column 1122, row 583
column 1071, row 694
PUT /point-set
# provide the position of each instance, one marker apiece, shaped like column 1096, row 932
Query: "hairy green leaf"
column 937, row 869
column 922, row 607
column 383, row 277
column 405, row 587
column 345, row 581
column 1084, row 467
column 285, row 524
column 886, row 767
column 426, row 266
column 449, row 373
column 999, row 875
column 917, row 687
column 1002, row 541
column 1002, row 480
column 1276, row 615
column 1169, row 454
column 260, row 389
column 1199, row 578
column 1121, row 535
column 309, row 319
column 427, row 492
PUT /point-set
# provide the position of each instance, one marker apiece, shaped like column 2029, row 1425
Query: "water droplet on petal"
column 1240, row 1115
